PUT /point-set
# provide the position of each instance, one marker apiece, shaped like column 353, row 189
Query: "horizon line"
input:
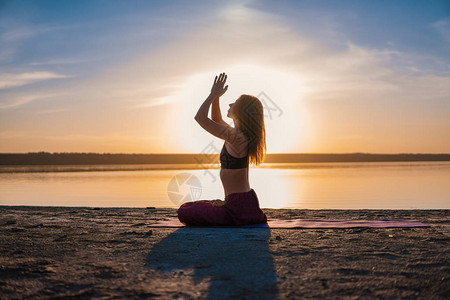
column 186, row 153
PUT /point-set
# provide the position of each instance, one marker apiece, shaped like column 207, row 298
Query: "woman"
column 244, row 143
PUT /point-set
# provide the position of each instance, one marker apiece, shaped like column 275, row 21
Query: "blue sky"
column 112, row 76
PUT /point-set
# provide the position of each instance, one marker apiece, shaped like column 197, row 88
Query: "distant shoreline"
column 166, row 167
column 47, row 158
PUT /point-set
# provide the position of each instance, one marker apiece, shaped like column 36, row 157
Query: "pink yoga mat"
column 301, row 223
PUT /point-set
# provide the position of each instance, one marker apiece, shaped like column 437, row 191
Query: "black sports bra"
column 230, row 162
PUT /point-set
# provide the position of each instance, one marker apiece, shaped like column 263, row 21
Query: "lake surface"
column 374, row 185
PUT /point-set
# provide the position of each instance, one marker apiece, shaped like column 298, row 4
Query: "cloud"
column 18, row 33
column 240, row 34
column 51, row 111
column 22, row 31
column 11, row 100
column 62, row 61
column 9, row 80
column 19, row 101
column 349, row 80
column 443, row 28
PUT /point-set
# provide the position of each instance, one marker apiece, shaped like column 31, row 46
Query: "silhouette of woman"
column 244, row 143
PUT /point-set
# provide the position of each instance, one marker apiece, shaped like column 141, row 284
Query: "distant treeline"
column 46, row 158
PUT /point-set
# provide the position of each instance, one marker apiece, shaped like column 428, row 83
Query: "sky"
column 129, row 76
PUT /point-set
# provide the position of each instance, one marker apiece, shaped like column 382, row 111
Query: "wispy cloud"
column 443, row 28
column 62, row 61
column 17, row 33
column 9, row 100
column 18, row 101
column 22, row 31
column 51, row 111
column 9, row 80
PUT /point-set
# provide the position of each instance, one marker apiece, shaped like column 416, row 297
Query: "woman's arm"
column 220, row 130
column 202, row 112
column 216, row 115
column 216, row 91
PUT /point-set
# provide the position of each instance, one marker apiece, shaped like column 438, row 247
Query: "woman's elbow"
column 199, row 119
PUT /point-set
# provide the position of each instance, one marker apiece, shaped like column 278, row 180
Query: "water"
column 390, row 185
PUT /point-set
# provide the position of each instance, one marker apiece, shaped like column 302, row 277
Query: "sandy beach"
column 112, row 253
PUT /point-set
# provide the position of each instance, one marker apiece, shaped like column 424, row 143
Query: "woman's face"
column 230, row 113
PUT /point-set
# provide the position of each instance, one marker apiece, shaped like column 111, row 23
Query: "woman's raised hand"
column 217, row 89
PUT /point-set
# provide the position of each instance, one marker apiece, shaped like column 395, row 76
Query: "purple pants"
column 240, row 209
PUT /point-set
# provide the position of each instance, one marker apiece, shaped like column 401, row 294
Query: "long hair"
column 249, row 118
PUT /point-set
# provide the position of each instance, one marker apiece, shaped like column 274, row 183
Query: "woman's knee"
column 182, row 213
column 198, row 213
column 186, row 211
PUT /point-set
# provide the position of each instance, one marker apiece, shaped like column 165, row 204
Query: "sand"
column 111, row 253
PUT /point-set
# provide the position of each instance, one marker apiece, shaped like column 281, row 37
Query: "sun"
column 280, row 93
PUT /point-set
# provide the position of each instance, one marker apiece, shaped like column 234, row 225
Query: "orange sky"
column 327, row 90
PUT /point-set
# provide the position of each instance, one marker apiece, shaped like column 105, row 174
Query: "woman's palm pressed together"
column 217, row 89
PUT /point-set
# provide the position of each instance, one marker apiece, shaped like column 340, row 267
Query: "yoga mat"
column 302, row 223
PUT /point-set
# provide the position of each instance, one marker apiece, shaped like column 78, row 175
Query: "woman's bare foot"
column 218, row 203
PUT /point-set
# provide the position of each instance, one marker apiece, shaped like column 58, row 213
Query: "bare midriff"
column 234, row 180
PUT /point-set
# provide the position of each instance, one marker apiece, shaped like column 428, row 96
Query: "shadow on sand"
column 236, row 261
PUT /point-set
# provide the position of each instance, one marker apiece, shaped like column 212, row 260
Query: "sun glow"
column 280, row 92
